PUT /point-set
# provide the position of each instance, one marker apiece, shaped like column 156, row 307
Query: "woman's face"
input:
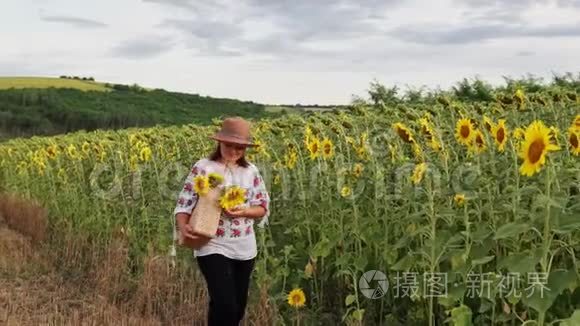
column 232, row 152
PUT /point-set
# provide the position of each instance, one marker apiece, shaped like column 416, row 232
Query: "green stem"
column 547, row 239
column 516, row 193
column 433, row 259
column 547, row 236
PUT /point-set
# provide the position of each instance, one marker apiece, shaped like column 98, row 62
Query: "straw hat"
column 235, row 130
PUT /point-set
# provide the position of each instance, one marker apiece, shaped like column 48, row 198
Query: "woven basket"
column 205, row 217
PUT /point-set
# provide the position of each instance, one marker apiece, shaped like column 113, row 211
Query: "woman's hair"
column 217, row 154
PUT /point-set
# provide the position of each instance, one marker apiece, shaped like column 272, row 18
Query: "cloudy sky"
column 289, row 51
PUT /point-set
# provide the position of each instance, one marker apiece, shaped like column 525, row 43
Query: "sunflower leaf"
column 482, row 261
column 565, row 222
column 510, row 230
column 349, row 299
column 461, row 316
column 573, row 320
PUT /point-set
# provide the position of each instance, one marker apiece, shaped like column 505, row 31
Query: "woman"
column 227, row 260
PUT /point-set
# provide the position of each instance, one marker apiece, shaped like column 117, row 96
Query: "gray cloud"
column 212, row 38
column 569, row 3
column 223, row 24
column 324, row 19
column 435, row 35
column 497, row 11
column 75, row 21
column 501, row 3
column 143, row 48
column 204, row 29
column 192, row 5
column 525, row 53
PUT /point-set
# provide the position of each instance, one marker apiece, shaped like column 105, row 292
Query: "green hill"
column 47, row 106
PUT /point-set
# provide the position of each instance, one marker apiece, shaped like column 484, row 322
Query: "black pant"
column 227, row 283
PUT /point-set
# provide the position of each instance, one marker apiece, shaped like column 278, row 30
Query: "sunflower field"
column 471, row 211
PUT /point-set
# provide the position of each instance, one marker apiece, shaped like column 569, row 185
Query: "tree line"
column 50, row 111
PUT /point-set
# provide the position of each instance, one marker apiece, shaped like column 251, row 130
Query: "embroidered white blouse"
column 234, row 237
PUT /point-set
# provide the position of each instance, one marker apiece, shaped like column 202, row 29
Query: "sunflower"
column 313, row 147
column 308, row 134
column 500, row 134
column 429, row 133
column 145, row 154
column 215, row 179
column 418, row 152
column 488, row 123
column 519, row 95
column 464, row 131
column 403, row 132
column 201, row 184
column 345, row 191
column 86, row 147
column 362, row 152
column 72, row 152
column 296, row 298
column 419, row 172
column 478, row 144
column 361, row 147
column 41, row 166
column 459, row 199
column 535, row 147
column 426, row 128
column 519, row 133
column 52, row 151
column 357, row 170
column 327, row 148
column 290, row 159
column 233, row 196
column 576, row 123
column 133, row 139
column 574, row 139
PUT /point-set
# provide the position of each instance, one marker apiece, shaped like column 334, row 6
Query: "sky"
column 290, row 51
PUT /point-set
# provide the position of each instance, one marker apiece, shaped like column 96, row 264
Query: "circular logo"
column 368, row 287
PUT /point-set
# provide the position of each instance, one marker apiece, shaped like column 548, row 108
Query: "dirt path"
column 31, row 293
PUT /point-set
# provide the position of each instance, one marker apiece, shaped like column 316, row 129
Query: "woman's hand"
column 187, row 237
column 249, row 212
column 236, row 212
column 185, row 229
column 188, row 232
